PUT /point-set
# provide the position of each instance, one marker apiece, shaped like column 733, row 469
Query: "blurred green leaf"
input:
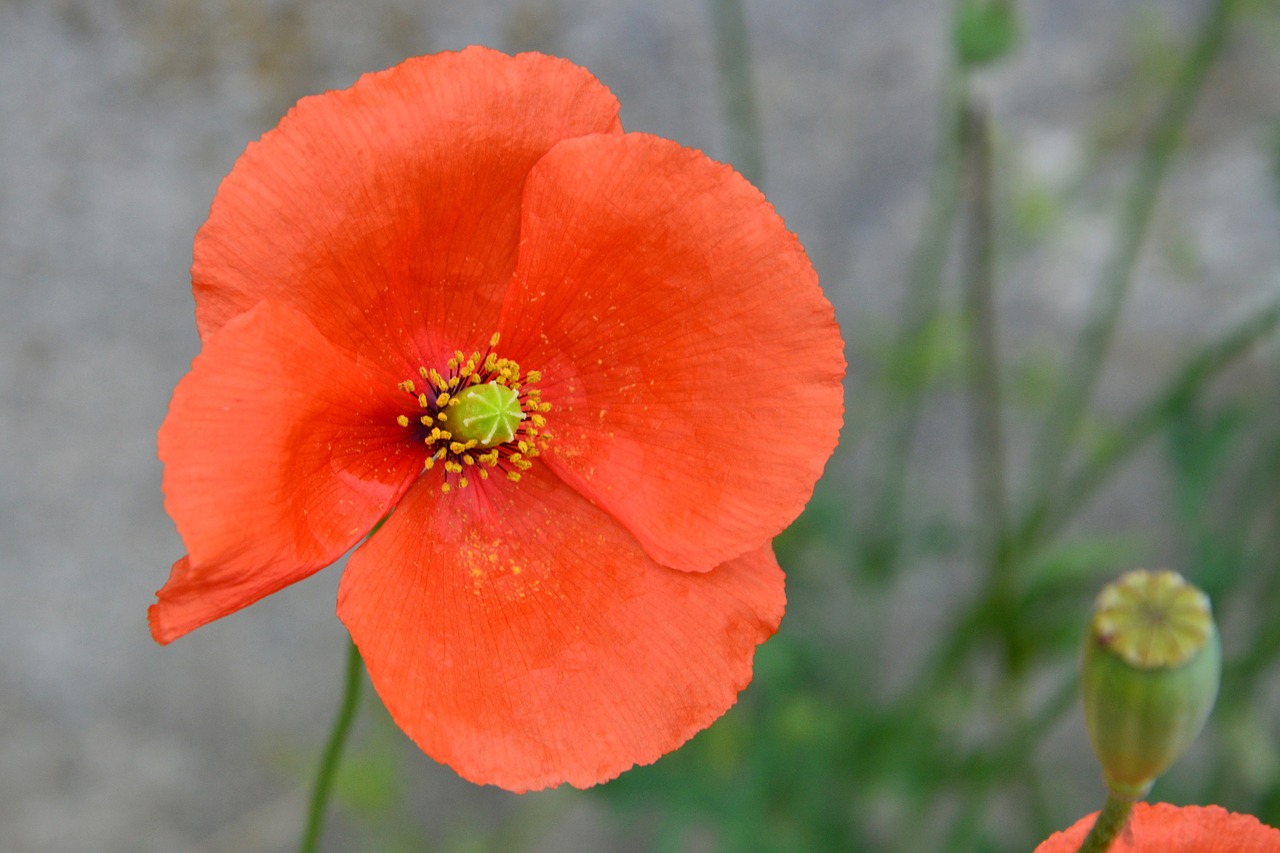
column 1079, row 562
column 985, row 31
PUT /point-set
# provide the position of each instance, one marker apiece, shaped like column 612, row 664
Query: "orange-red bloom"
column 581, row 588
column 1164, row 828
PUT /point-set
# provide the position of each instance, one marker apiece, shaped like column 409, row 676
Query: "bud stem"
column 1108, row 826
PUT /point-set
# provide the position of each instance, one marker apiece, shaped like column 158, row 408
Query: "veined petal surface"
column 280, row 453
column 519, row 634
column 390, row 211
column 694, row 367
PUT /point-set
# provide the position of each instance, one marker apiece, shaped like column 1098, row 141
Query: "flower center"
column 1153, row 620
column 480, row 415
column 488, row 414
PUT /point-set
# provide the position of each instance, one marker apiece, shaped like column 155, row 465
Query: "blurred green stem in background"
column 737, row 91
column 881, row 538
column 332, row 756
column 1052, row 513
column 1061, row 426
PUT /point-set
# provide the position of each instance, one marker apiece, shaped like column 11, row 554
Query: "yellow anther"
column 463, row 381
column 444, row 488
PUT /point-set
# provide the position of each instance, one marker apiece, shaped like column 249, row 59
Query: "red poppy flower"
column 575, row 568
column 1164, row 828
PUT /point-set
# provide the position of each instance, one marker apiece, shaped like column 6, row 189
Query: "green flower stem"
column 984, row 365
column 1065, row 415
column 1046, row 518
column 986, row 427
column 882, row 534
column 1108, row 826
column 737, row 91
column 333, row 752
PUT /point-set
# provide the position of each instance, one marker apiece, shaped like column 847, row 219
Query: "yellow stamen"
column 503, row 416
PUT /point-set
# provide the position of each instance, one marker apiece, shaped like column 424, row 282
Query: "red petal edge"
column 518, row 634
column 280, row 453
column 390, row 210
column 694, row 367
column 1166, row 828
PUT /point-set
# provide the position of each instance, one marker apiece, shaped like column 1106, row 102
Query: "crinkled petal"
column 520, row 635
column 280, row 452
column 390, row 210
column 694, row 367
column 1165, row 828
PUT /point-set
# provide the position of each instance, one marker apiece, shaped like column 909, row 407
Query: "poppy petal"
column 280, row 453
column 394, row 205
column 693, row 366
column 1165, row 828
column 520, row 635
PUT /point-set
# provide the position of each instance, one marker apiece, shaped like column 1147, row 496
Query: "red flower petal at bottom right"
column 1165, row 828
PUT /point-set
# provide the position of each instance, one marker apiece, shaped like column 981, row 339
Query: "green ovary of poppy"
column 488, row 414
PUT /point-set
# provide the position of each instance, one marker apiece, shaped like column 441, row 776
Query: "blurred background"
column 1051, row 231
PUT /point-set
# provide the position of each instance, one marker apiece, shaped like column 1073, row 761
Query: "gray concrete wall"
column 119, row 117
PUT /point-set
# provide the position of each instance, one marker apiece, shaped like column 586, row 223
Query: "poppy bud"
column 1149, row 676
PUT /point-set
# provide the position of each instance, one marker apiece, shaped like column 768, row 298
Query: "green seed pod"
column 488, row 414
column 1149, row 676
